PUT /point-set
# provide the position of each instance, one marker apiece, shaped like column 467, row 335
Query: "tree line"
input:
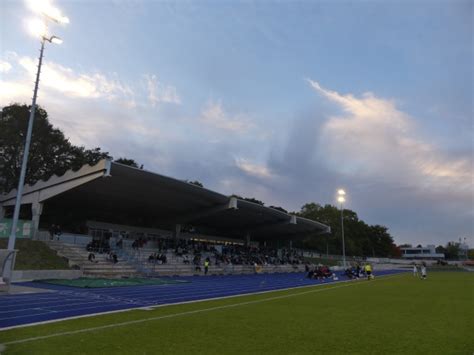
column 361, row 239
column 51, row 153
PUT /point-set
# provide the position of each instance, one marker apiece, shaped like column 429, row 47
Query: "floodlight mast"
column 341, row 199
column 21, row 182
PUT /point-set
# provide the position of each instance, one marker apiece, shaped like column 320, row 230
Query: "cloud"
column 214, row 116
column 14, row 92
column 253, row 169
column 66, row 81
column 160, row 93
column 5, row 66
column 56, row 78
column 373, row 138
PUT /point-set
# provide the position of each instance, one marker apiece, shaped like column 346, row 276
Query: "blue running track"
column 64, row 302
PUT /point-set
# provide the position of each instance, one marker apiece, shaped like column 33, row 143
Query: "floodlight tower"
column 39, row 29
column 341, row 199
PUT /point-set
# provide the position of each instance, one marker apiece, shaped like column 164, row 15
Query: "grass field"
column 35, row 255
column 391, row 315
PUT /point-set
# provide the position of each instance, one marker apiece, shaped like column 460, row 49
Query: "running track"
column 64, row 302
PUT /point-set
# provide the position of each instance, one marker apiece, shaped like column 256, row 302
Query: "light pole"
column 39, row 28
column 341, row 199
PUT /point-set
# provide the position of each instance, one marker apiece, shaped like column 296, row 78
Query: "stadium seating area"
column 166, row 257
column 186, row 257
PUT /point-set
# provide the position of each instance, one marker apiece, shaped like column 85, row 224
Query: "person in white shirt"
column 423, row 272
column 415, row 270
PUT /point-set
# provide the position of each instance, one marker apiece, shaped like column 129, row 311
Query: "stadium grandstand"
column 137, row 222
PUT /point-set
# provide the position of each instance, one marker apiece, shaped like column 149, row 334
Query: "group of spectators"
column 201, row 253
column 248, row 255
column 319, row 272
column 158, row 258
column 98, row 246
column 111, row 256
column 191, row 251
column 357, row 271
column 139, row 243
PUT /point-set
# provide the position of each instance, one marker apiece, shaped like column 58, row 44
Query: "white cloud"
column 158, row 92
column 5, row 67
column 374, row 138
column 253, row 169
column 65, row 80
column 14, row 92
column 215, row 116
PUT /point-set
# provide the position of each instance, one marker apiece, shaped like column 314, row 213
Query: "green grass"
column 35, row 255
column 393, row 315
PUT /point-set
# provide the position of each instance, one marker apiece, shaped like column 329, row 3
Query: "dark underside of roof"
column 137, row 197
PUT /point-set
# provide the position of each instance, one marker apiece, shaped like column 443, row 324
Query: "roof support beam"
column 231, row 204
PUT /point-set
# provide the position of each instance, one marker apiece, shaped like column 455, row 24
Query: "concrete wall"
column 29, row 275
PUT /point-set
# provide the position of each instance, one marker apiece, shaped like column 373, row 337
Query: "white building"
column 428, row 252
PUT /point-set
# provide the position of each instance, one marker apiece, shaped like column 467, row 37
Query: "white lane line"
column 138, row 321
column 48, row 307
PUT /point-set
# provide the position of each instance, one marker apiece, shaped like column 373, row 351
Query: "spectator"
column 91, row 257
column 57, row 231
column 119, row 243
column 206, row 266
column 52, row 231
column 152, row 258
column 197, row 263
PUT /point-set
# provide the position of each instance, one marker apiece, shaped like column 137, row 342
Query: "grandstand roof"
column 110, row 191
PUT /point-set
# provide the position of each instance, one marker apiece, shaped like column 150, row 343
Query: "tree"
column 50, row 152
column 129, row 162
column 452, row 250
column 470, row 254
column 361, row 239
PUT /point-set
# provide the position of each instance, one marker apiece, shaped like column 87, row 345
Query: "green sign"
column 23, row 229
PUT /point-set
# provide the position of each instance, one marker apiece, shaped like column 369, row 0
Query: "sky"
column 284, row 101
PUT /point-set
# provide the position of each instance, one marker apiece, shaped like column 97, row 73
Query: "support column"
column 36, row 209
column 247, row 239
column 2, row 212
column 177, row 231
column 176, row 234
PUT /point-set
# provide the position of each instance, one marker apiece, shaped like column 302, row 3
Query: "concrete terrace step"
column 112, row 275
column 108, row 267
column 78, row 255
